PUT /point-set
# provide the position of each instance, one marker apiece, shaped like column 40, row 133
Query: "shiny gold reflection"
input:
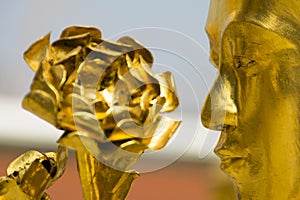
column 102, row 94
column 255, row 99
column 29, row 175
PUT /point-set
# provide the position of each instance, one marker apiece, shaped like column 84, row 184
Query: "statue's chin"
column 235, row 168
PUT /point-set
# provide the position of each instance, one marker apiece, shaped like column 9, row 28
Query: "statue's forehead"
column 280, row 16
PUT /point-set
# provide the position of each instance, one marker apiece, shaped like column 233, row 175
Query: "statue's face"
column 255, row 102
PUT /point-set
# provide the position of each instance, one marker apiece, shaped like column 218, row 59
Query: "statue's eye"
column 242, row 61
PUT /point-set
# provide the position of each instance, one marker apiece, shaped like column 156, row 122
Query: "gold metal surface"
column 255, row 100
column 29, row 175
column 108, row 101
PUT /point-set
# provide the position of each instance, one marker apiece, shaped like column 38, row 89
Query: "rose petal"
column 38, row 52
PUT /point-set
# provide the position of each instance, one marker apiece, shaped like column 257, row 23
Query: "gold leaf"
column 168, row 91
column 41, row 104
column 38, row 52
column 94, row 33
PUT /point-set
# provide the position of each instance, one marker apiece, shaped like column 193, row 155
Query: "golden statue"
column 107, row 100
column 255, row 100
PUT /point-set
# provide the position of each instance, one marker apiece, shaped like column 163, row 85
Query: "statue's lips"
column 228, row 153
column 231, row 159
column 229, row 162
column 226, row 156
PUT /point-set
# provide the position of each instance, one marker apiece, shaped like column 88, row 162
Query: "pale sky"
column 23, row 22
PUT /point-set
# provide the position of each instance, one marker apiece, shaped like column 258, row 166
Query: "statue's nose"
column 219, row 108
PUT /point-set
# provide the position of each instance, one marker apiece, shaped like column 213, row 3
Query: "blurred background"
column 174, row 32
